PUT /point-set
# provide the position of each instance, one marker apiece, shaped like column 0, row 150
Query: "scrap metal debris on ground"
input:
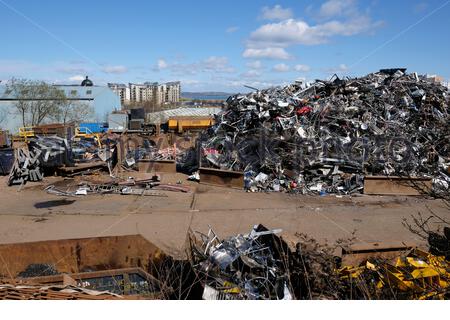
column 325, row 137
column 130, row 186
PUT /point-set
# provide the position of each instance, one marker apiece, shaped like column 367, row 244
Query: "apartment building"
column 121, row 90
column 157, row 93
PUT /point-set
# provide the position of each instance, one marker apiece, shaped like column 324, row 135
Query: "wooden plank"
column 222, row 178
column 383, row 185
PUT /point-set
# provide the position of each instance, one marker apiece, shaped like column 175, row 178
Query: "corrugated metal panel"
column 163, row 116
column 118, row 121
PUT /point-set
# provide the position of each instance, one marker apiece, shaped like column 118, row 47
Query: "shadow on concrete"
column 53, row 203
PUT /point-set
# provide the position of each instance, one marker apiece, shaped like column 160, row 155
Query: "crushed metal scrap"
column 261, row 265
column 41, row 152
column 325, row 137
column 248, row 266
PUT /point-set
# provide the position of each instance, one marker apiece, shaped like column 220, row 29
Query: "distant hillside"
column 206, row 95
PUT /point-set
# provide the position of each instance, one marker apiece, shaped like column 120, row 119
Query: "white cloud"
column 281, row 67
column 269, row 53
column 334, row 8
column 162, row 64
column 77, row 78
column 72, row 69
column 232, row 29
column 115, row 69
column 340, row 68
column 251, row 74
column 14, row 67
column 302, row 68
column 216, row 64
column 254, row 64
column 292, row 32
column 337, row 18
column 212, row 64
column 190, row 82
column 276, row 13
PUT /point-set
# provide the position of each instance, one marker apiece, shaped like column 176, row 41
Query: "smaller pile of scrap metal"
column 149, row 152
column 41, row 153
column 252, row 266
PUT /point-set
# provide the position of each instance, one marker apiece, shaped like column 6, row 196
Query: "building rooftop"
column 163, row 116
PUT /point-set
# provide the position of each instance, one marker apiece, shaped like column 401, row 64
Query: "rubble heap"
column 324, row 137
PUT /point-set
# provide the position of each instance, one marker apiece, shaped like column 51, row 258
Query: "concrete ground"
column 33, row 215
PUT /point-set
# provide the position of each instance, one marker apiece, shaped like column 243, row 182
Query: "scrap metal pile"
column 249, row 266
column 42, row 152
column 325, row 137
column 46, row 154
column 150, row 152
column 261, row 265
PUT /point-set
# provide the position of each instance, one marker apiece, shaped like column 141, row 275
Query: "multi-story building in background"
column 154, row 92
column 173, row 91
column 121, row 90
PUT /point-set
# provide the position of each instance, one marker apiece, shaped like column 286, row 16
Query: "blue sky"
column 220, row 45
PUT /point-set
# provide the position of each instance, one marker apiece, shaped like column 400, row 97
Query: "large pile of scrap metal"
column 325, row 137
column 41, row 153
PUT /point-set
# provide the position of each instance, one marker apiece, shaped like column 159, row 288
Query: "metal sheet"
column 382, row 185
column 222, row 178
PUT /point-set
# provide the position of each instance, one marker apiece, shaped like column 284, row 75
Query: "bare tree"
column 35, row 101
column 74, row 111
column 3, row 115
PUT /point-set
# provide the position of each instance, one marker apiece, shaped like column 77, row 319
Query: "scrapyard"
column 337, row 189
